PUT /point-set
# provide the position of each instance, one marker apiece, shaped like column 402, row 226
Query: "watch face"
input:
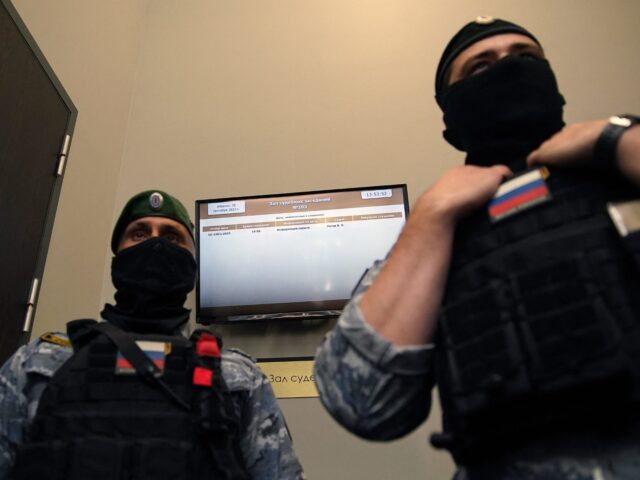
column 621, row 121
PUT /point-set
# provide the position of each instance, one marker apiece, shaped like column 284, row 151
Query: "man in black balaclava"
column 498, row 117
column 154, row 268
column 513, row 285
column 131, row 397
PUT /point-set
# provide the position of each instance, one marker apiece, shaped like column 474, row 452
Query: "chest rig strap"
column 218, row 418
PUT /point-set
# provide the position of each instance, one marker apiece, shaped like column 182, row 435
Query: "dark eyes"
column 139, row 235
column 142, row 235
column 478, row 67
column 172, row 237
column 531, row 55
column 483, row 64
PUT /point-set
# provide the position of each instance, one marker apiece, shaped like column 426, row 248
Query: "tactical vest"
column 102, row 418
column 539, row 324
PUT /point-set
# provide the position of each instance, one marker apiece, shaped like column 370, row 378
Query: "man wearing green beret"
column 131, row 397
column 513, row 287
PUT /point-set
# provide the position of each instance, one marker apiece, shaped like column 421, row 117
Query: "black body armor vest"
column 539, row 325
column 101, row 418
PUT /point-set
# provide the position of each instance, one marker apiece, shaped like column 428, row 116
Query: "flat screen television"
column 291, row 255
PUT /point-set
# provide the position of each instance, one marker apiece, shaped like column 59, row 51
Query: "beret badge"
column 156, row 200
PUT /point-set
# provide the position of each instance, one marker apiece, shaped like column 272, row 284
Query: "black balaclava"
column 503, row 113
column 152, row 280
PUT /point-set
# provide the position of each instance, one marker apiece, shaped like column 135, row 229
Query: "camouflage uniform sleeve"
column 265, row 441
column 373, row 388
column 22, row 380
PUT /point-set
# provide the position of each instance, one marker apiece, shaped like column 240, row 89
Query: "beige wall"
column 93, row 47
column 212, row 98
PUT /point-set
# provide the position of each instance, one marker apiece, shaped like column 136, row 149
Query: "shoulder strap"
column 632, row 243
column 56, row 339
column 626, row 218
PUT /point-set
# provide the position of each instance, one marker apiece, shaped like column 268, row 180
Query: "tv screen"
column 291, row 254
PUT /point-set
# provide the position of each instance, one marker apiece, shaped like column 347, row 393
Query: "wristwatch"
column 604, row 152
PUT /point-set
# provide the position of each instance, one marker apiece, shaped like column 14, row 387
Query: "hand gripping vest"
column 109, row 413
column 539, row 325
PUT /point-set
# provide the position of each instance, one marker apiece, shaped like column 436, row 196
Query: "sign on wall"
column 290, row 377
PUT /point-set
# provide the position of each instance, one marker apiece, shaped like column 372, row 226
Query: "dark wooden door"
column 36, row 119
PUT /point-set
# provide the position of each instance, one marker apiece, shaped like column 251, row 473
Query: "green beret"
column 150, row 203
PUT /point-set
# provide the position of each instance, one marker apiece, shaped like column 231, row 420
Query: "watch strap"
column 604, row 153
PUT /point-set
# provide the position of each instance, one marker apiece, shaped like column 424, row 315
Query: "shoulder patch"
column 56, row 338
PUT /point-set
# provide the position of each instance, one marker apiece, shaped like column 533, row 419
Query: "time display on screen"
column 367, row 194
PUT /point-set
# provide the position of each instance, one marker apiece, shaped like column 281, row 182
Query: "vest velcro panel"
column 96, row 422
column 536, row 306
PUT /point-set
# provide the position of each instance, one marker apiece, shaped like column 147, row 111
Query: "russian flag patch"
column 519, row 193
column 156, row 351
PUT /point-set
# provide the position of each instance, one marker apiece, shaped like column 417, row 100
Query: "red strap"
column 207, row 346
column 202, row 377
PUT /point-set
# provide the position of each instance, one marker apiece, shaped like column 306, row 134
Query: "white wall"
column 212, row 98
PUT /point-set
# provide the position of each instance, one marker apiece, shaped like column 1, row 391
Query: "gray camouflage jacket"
column 373, row 388
column 265, row 441
column 380, row 392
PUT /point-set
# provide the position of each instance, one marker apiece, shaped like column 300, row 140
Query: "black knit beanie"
column 482, row 27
